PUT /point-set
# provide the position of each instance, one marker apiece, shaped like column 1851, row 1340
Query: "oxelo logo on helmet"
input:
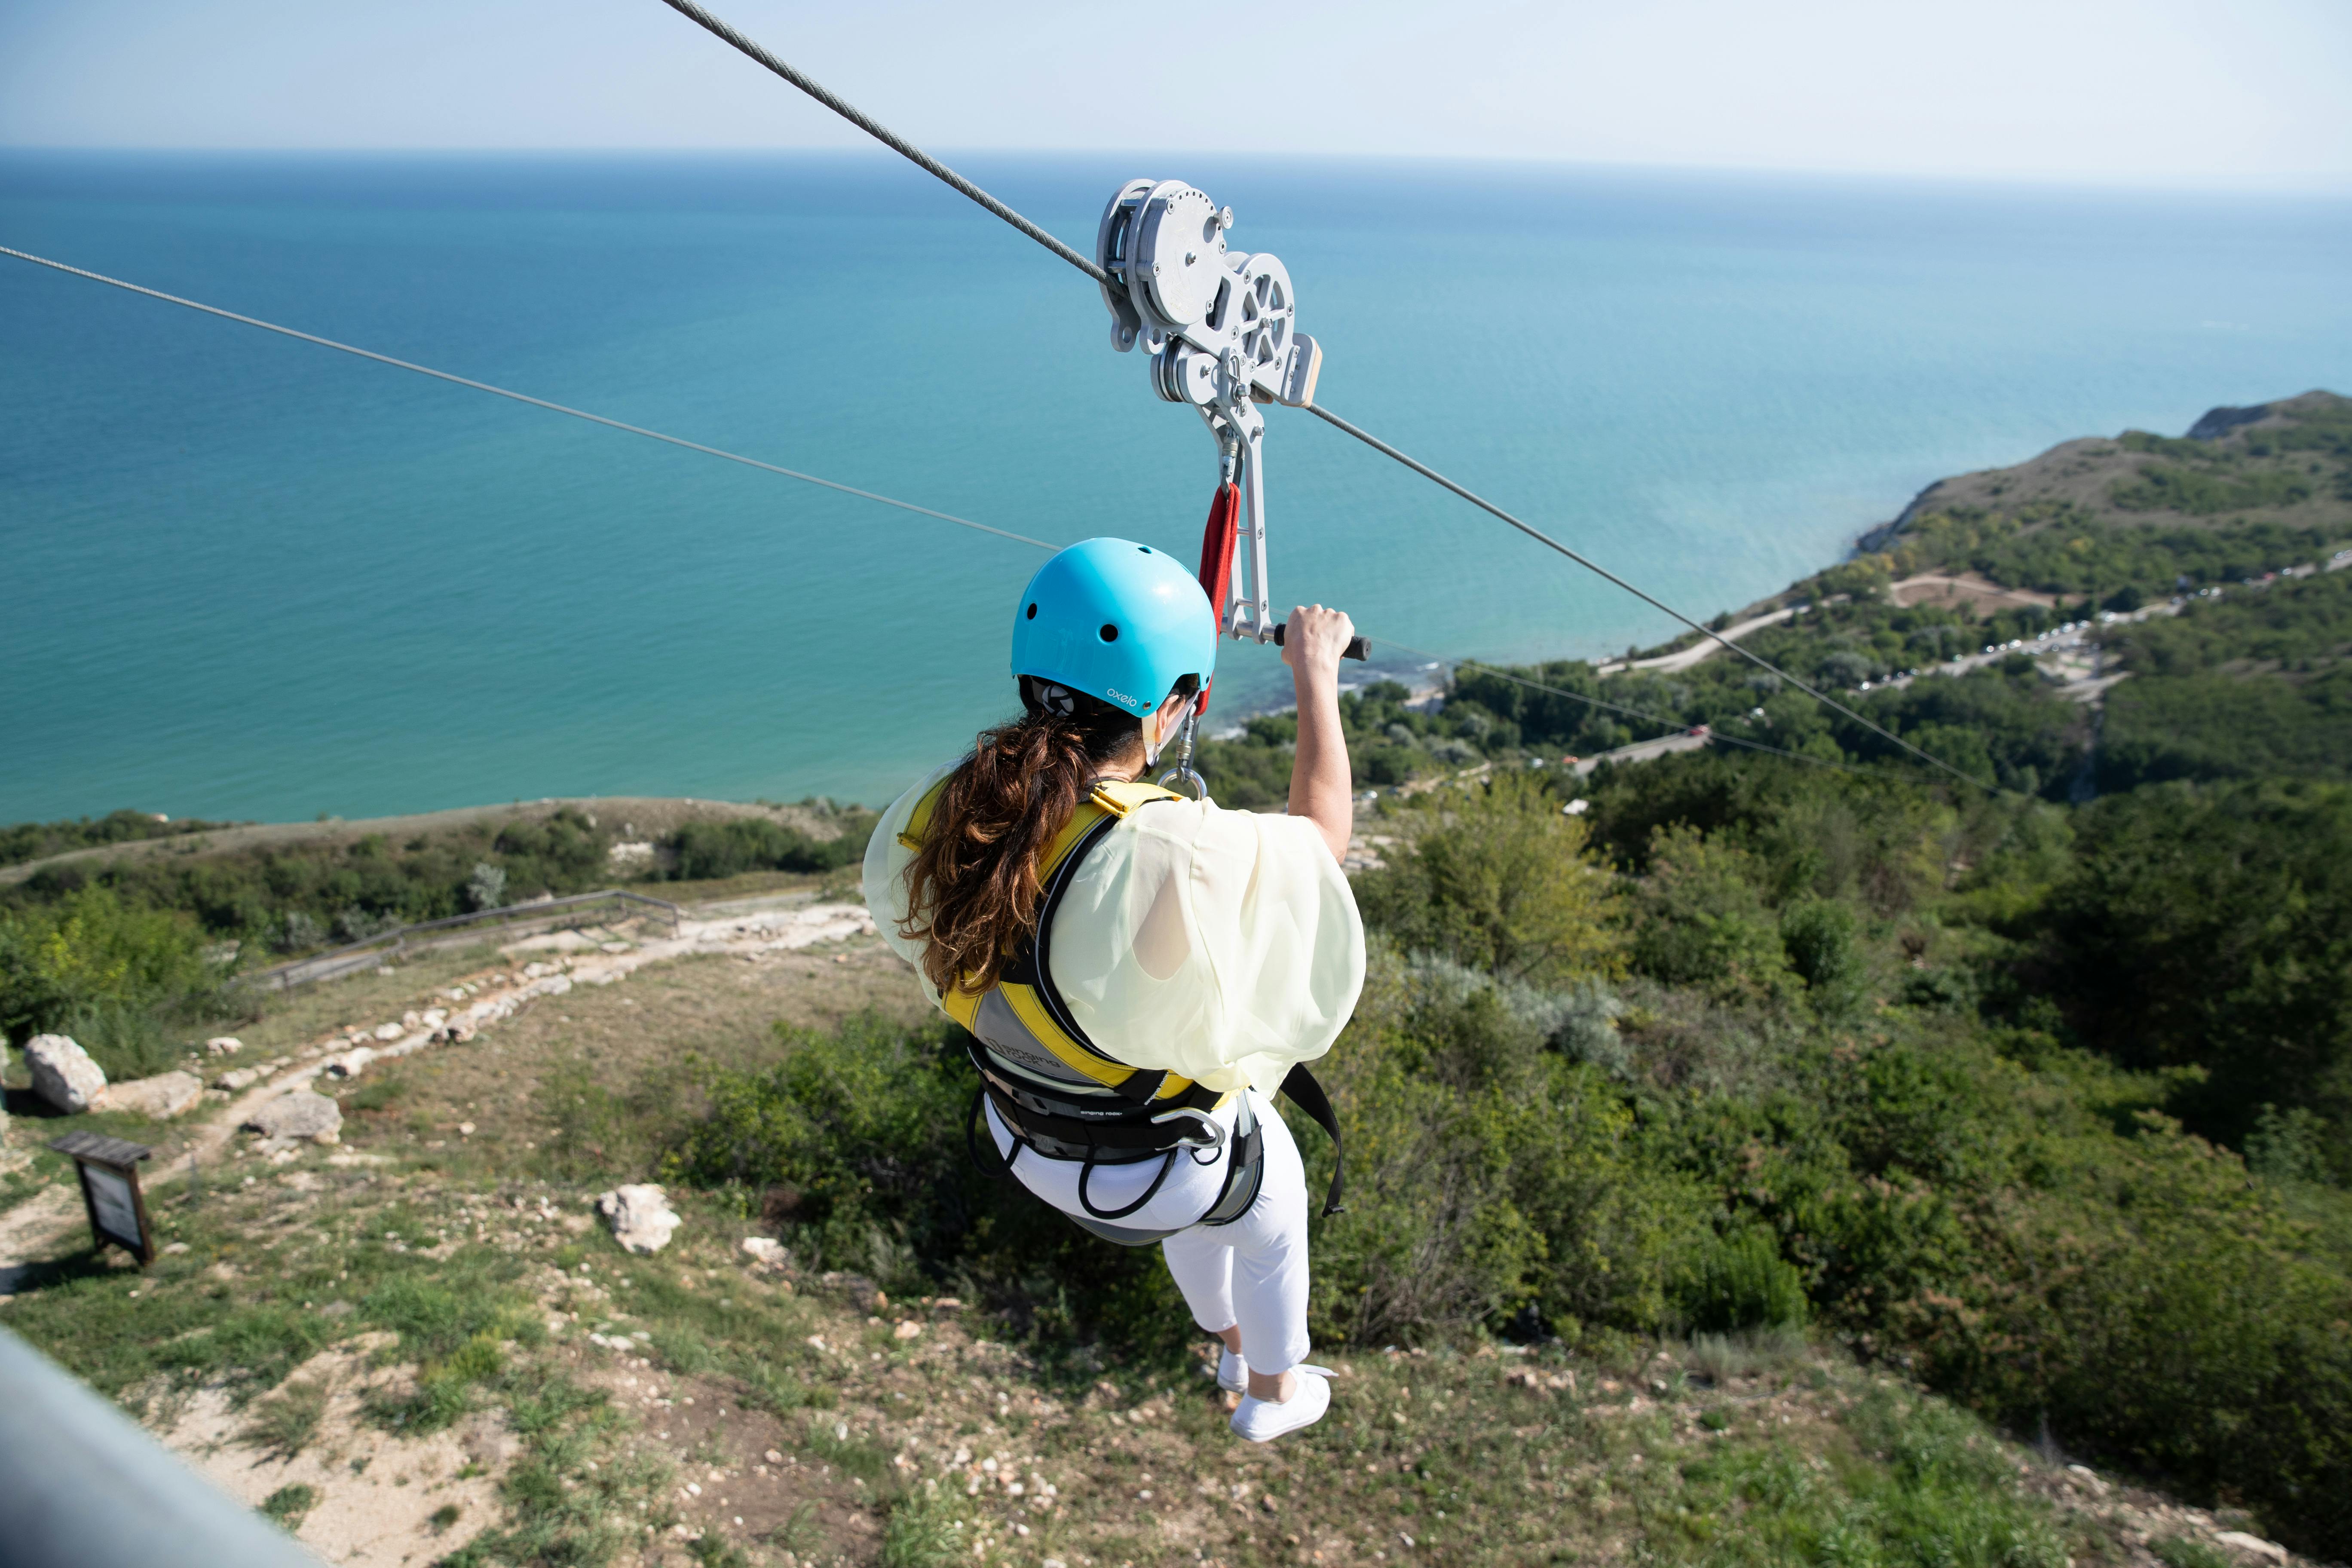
column 1116, row 620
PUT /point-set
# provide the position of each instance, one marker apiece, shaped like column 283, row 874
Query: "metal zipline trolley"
column 1220, row 327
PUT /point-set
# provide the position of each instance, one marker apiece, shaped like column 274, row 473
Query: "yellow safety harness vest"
column 1061, row 1096
column 1023, row 1014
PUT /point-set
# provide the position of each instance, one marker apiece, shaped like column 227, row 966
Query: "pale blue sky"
column 2252, row 94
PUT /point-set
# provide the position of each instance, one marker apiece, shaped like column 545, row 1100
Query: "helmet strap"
column 1153, row 745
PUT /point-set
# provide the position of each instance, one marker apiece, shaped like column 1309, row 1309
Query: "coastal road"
column 1683, row 658
column 1643, row 751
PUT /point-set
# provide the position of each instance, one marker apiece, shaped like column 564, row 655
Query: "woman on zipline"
column 1141, row 972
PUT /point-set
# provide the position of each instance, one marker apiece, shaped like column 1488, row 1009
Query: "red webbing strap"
column 1217, row 560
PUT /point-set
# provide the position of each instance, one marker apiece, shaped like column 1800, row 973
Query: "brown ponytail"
column 973, row 888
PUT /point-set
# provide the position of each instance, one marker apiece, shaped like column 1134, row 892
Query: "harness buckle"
column 1213, row 1132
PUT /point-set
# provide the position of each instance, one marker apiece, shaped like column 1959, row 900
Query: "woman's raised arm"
column 1321, row 788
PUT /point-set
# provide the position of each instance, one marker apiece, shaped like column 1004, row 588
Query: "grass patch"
column 921, row 1532
column 282, row 1425
column 286, row 1506
column 572, row 1496
column 831, row 1441
column 2180, row 1552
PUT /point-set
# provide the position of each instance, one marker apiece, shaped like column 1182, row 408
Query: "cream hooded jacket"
column 1222, row 946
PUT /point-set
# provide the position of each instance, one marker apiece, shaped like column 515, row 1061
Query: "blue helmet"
column 1116, row 620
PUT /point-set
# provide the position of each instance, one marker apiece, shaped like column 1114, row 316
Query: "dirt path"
column 453, row 1011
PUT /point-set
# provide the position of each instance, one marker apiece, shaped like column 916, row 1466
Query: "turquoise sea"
column 242, row 576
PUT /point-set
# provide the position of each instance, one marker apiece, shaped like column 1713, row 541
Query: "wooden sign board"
column 109, row 1168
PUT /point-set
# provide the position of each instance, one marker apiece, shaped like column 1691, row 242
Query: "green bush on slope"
column 118, row 978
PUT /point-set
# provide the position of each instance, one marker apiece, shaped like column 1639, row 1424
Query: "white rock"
column 459, row 1030
column 238, row 1077
column 351, row 1063
column 63, row 1074
column 2253, row 1543
column 640, row 1216
column 160, row 1098
column 434, row 1018
column 301, row 1114
column 224, row 1045
column 768, row 1251
column 389, row 1031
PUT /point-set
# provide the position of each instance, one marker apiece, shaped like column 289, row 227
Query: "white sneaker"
column 1233, row 1372
column 1264, row 1420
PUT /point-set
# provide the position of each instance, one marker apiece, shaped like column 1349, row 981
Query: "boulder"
column 236, row 1079
column 389, row 1031
column 160, row 1098
column 351, row 1063
column 63, row 1074
column 768, row 1252
column 640, row 1216
column 458, row 1030
column 301, row 1114
column 2240, row 1540
column 224, row 1045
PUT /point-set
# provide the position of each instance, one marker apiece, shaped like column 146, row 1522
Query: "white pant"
column 1251, row 1273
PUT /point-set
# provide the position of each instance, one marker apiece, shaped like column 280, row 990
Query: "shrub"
column 116, row 977
column 1488, row 1174
column 1498, row 878
column 922, row 1530
column 2213, row 928
column 287, row 1507
column 1702, row 919
column 707, row 851
column 1742, row 1282
column 1818, row 936
column 854, row 1140
column 36, row 841
column 363, row 886
column 486, row 888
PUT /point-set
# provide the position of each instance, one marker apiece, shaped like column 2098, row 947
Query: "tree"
column 1502, row 880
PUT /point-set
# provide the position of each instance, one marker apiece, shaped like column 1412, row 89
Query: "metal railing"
column 453, row 929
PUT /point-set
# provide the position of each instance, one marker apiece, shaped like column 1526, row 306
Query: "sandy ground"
column 378, row 1493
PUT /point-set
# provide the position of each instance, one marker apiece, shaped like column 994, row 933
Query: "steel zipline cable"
column 880, row 133
column 766, row 58
column 519, row 396
column 1662, row 721
column 1540, row 537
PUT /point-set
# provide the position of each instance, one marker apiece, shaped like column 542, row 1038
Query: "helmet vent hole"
column 1109, row 632
column 1033, row 612
column 1144, row 550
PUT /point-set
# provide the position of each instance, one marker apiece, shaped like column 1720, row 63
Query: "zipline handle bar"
column 1358, row 646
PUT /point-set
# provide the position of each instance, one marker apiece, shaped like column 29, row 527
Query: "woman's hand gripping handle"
column 1321, row 788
